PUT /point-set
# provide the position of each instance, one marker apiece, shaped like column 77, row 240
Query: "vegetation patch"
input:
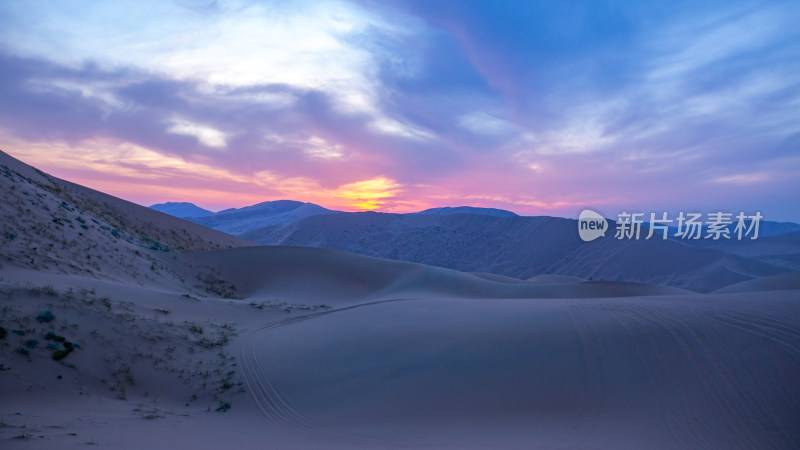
column 45, row 317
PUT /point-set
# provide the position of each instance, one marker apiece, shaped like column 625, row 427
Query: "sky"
column 539, row 107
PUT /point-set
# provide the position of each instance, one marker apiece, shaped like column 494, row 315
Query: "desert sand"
column 171, row 335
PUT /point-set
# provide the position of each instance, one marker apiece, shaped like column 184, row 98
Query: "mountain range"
column 498, row 242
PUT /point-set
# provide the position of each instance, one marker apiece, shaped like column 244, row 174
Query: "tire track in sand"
column 275, row 408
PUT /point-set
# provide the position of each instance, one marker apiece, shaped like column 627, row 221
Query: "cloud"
column 315, row 46
column 205, row 135
column 480, row 122
column 743, row 178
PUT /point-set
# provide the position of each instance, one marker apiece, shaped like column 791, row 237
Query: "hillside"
column 54, row 225
column 518, row 247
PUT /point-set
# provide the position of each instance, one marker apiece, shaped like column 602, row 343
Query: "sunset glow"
column 400, row 106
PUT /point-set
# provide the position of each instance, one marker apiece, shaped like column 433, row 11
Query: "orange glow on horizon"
column 146, row 177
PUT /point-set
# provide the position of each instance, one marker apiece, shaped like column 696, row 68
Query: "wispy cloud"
column 206, row 135
column 743, row 178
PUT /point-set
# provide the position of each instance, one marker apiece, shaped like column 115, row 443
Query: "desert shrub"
column 52, row 336
column 47, row 289
column 46, row 317
column 61, row 354
column 32, row 343
column 157, row 246
column 223, row 406
column 52, row 345
column 226, row 384
column 68, row 345
column 23, row 351
column 3, row 333
column 19, row 332
column 115, row 232
column 195, row 328
column 50, row 290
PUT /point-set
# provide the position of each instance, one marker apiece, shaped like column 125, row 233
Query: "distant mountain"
column 469, row 210
column 518, row 247
column 181, row 209
column 778, row 244
column 243, row 220
column 767, row 228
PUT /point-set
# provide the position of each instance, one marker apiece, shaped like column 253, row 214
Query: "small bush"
column 61, row 354
column 223, row 406
column 52, row 345
column 32, row 343
column 195, row 328
column 46, row 317
column 50, row 290
column 52, row 336
column 226, row 384
column 3, row 333
column 19, row 332
column 23, row 351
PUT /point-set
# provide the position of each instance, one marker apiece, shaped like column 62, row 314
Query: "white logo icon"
column 591, row 225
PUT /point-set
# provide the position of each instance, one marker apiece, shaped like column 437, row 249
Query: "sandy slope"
column 305, row 273
column 660, row 372
column 124, row 215
column 420, row 368
column 54, row 226
column 781, row 282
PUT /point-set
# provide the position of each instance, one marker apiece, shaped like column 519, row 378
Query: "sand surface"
column 397, row 368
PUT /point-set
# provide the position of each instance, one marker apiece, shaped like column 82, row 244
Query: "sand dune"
column 781, row 282
column 332, row 277
column 662, row 372
column 157, row 226
column 56, row 226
